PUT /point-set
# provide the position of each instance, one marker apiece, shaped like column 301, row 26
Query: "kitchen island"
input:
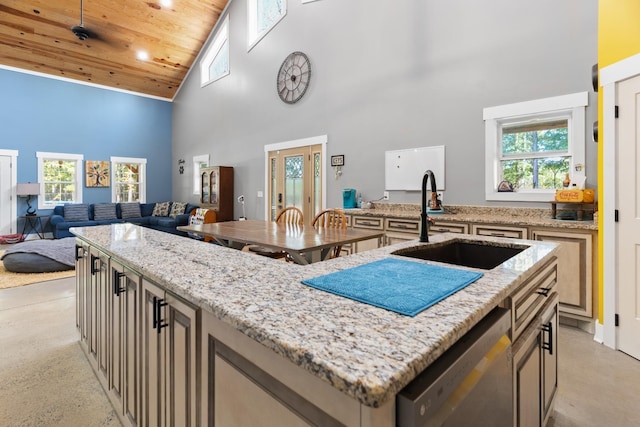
column 342, row 358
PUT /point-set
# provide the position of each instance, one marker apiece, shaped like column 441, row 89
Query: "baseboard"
column 599, row 335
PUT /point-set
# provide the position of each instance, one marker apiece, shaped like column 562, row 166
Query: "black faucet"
column 424, row 219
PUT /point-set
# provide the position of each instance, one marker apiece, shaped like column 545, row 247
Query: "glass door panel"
column 294, row 181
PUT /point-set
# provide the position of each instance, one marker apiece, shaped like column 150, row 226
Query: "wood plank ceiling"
column 36, row 35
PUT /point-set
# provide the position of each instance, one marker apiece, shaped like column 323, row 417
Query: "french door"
column 295, row 179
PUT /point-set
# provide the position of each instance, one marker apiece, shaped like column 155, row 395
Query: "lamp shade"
column 28, row 189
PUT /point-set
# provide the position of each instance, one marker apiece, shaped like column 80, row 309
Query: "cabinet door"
column 180, row 356
column 169, row 359
column 575, row 269
column 153, row 357
column 244, row 403
column 99, row 328
column 526, row 378
column 124, row 347
column 549, row 374
column 369, row 223
column 82, row 292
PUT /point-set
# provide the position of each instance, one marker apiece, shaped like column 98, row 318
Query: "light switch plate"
column 260, row 194
column 385, row 195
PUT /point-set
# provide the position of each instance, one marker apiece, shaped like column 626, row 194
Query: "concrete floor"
column 45, row 379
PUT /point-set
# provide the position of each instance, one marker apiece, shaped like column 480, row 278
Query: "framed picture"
column 97, row 173
column 337, row 160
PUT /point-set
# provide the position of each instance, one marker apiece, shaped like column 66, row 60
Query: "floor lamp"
column 27, row 190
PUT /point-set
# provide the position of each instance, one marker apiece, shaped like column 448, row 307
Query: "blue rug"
column 405, row 287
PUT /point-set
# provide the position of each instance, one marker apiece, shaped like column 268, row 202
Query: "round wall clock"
column 293, row 77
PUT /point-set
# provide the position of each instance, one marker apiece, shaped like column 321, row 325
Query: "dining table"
column 304, row 244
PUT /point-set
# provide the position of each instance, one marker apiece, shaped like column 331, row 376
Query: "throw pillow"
column 103, row 211
column 130, row 210
column 177, row 208
column 161, row 209
column 76, row 212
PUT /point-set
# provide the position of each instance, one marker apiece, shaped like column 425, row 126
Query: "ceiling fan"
column 79, row 30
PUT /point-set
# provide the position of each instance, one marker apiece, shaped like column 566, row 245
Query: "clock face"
column 293, row 77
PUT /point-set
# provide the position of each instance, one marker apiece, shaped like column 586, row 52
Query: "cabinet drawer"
column 403, row 225
column 499, row 231
column 374, row 223
column 526, row 302
column 449, row 227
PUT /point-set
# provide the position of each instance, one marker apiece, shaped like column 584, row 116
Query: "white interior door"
column 6, row 185
column 628, row 227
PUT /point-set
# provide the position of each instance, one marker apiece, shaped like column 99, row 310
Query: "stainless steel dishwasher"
column 469, row 385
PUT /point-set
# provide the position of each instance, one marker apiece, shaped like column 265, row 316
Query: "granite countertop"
column 366, row 352
column 477, row 214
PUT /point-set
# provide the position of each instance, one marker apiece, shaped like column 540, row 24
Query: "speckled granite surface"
column 366, row 352
column 478, row 214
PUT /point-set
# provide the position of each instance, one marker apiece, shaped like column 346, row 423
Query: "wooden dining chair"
column 331, row 218
column 290, row 216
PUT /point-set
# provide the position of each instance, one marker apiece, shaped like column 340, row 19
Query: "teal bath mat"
column 405, row 287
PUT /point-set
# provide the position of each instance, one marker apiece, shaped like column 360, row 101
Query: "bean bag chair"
column 40, row 256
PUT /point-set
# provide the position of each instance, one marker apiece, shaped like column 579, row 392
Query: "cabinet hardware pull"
column 160, row 322
column 548, row 345
column 155, row 312
column 117, row 284
column 78, row 249
column 497, row 234
column 94, row 269
column 544, row 291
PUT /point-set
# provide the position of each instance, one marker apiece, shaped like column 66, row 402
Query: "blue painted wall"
column 43, row 114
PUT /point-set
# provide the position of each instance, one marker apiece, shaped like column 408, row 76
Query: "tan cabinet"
column 216, row 191
column 97, row 298
column 534, row 311
column 448, row 227
column 369, row 223
column 83, row 268
column 169, row 392
column 401, row 230
column 576, row 262
column 124, row 342
column 499, row 231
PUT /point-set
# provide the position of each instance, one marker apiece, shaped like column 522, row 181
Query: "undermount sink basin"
column 483, row 255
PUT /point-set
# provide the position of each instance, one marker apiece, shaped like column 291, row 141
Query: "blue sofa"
column 60, row 226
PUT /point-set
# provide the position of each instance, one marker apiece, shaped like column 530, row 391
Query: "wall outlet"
column 385, row 195
column 260, row 194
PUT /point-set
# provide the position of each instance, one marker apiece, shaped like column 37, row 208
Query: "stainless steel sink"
column 481, row 254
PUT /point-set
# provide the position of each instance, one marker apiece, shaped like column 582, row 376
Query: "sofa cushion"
column 165, row 222
column 177, row 208
column 161, row 209
column 130, row 210
column 103, row 211
column 76, row 212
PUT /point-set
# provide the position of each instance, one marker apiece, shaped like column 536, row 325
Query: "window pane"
column 127, row 182
column 294, row 171
column 317, row 184
column 535, row 137
column 269, row 11
column 220, row 64
column 59, row 180
column 544, row 173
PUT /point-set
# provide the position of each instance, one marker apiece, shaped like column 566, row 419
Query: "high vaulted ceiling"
column 36, row 35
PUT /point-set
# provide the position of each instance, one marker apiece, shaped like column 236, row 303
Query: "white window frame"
column 42, row 156
column 142, row 173
column 197, row 163
column 222, row 36
column 571, row 107
column 253, row 36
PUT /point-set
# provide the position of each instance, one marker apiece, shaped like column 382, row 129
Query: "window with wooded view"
column 60, row 176
column 535, row 156
column 128, row 180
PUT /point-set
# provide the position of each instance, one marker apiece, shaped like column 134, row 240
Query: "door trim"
column 314, row 140
column 14, row 179
column 609, row 78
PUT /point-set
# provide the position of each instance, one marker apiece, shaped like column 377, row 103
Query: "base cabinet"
column 82, row 292
column 535, row 368
column 575, row 269
column 169, row 392
column 98, row 296
column 124, row 342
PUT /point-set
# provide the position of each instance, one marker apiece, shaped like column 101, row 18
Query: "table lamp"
column 27, row 190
